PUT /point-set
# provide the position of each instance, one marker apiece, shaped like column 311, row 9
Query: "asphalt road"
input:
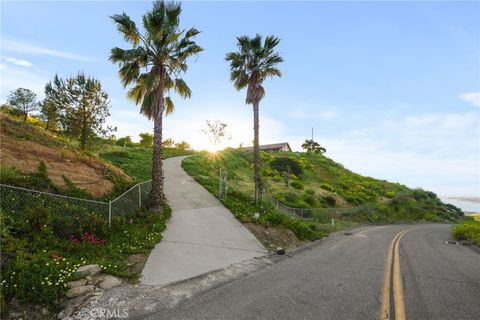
column 345, row 278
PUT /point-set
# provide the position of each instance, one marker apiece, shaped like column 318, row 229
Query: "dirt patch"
column 23, row 147
column 275, row 236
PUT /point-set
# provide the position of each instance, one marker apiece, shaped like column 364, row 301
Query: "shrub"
column 327, row 187
column 310, row 200
column 329, row 201
column 121, row 154
column 73, row 190
column 390, row 194
column 302, row 229
column 467, row 230
column 125, row 142
column 39, row 219
column 310, row 192
column 277, row 178
column 297, row 185
column 95, row 225
column 291, row 197
column 282, row 164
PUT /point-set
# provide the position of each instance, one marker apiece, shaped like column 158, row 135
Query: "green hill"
column 27, row 146
column 303, row 180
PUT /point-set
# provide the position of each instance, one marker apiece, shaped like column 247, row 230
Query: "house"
column 284, row 146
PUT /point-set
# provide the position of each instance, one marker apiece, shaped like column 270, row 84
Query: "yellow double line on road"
column 398, row 299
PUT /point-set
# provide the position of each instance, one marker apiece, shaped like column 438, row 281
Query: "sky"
column 391, row 89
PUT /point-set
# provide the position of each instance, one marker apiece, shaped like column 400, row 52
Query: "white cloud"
column 324, row 115
column 327, row 115
column 18, row 62
column 18, row 46
column 438, row 120
column 471, row 97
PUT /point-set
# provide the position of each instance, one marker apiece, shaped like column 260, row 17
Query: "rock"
column 88, row 278
column 78, row 283
column 15, row 315
column 280, row 250
column 109, row 282
column 71, row 305
column 95, row 280
column 88, row 270
column 45, row 312
column 78, row 291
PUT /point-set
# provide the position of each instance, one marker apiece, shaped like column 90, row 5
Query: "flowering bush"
column 36, row 267
column 87, row 237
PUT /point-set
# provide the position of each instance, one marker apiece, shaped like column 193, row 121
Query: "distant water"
column 467, row 206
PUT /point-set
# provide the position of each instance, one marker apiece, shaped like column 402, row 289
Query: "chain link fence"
column 68, row 213
column 325, row 214
column 131, row 199
column 321, row 214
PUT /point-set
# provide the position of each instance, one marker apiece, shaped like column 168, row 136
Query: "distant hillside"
column 24, row 147
column 305, row 180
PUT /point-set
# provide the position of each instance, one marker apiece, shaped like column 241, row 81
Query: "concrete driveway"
column 201, row 236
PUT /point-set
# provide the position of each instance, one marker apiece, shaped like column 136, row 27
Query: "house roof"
column 273, row 146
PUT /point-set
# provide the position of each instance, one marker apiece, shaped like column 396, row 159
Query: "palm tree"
column 153, row 67
column 249, row 67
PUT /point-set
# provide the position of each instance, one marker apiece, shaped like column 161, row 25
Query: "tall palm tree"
column 152, row 68
column 249, row 67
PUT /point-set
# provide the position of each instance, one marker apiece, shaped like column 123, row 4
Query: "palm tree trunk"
column 256, row 154
column 156, row 198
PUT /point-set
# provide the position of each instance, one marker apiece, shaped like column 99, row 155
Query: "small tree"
column 168, row 143
column 216, row 132
column 313, row 146
column 49, row 112
column 146, row 140
column 84, row 105
column 125, row 142
column 182, row 145
column 24, row 100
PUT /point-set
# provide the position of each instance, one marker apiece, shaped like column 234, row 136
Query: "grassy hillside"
column 44, row 241
column 311, row 181
column 137, row 161
column 26, row 147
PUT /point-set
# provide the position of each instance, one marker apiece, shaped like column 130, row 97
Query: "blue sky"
column 392, row 89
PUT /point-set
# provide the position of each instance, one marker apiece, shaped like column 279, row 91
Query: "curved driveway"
column 201, row 236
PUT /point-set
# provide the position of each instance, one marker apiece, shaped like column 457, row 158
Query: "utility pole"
column 312, row 134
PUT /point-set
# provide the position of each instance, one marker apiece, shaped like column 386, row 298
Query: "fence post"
column 139, row 195
column 109, row 213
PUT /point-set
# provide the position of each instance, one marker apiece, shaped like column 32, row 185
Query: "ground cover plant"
column 306, row 180
column 137, row 161
column 468, row 229
column 38, row 261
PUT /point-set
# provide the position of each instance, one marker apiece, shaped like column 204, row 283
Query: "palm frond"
column 127, row 28
column 136, row 93
column 129, row 72
column 169, row 106
column 182, row 89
